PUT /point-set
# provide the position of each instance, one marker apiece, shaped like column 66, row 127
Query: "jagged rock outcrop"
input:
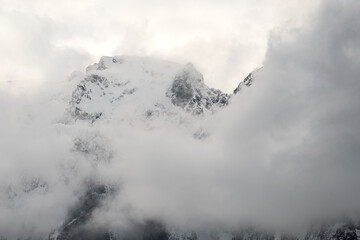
column 348, row 230
column 153, row 88
column 248, row 81
column 189, row 92
column 75, row 226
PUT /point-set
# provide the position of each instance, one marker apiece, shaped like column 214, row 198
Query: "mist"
column 284, row 153
column 44, row 42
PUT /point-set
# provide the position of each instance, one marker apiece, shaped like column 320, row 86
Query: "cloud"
column 285, row 150
column 282, row 154
column 44, row 42
column 299, row 122
column 31, row 56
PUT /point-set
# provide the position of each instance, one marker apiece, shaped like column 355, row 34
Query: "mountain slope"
column 137, row 88
column 131, row 90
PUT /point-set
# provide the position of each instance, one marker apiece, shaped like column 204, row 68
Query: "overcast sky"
column 43, row 41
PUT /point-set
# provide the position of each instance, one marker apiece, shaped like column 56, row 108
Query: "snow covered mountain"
column 137, row 88
column 133, row 90
column 142, row 89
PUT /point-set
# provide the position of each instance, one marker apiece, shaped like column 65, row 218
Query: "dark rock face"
column 83, row 233
column 189, row 92
column 338, row 231
column 78, row 113
column 247, row 81
column 155, row 230
column 90, row 87
column 252, row 233
column 184, row 236
column 75, row 227
column 182, row 91
column 82, row 92
column 344, row 231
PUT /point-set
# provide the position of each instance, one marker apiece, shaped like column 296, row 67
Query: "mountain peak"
column 142, row 88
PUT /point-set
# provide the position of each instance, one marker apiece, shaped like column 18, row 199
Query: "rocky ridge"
column 153, row 87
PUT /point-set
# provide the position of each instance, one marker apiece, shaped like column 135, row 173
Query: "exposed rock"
column 107, row 83
column 76, row 226
column 340, row 231
column 155, row 230
column 248, row 81
column 189, row 92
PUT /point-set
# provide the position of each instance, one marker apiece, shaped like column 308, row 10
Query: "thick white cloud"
column 45, row 40
column 285, row 151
